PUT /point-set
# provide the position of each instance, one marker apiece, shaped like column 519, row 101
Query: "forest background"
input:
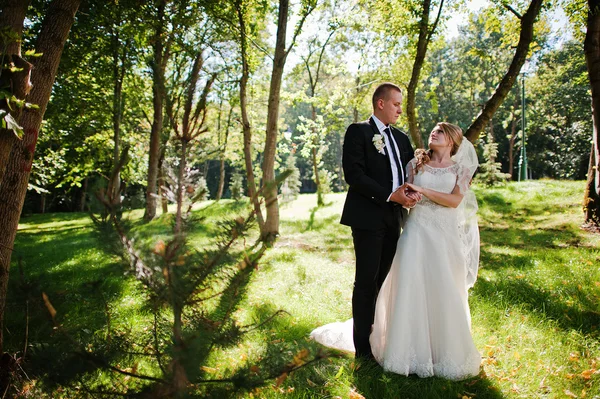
column 102, row 99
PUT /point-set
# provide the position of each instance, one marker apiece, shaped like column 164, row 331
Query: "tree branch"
column 509, row 8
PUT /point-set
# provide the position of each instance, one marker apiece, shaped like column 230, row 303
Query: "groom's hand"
column 404, row 197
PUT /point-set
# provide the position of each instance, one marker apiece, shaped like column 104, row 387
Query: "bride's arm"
column 451, row 200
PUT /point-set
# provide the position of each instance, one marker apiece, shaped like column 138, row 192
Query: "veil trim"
column 466, row 157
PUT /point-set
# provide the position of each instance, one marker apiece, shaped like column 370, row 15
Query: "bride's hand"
column 413, row 190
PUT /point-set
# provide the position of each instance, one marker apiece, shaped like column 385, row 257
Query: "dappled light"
column 535, row 308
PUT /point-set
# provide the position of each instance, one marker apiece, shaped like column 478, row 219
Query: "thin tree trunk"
column 82, row 198
column 425, row 34
column 511, row 143
column 180, row 187
column 507, row 82
column 271, row 229
column 161, row 184
column 320, row 201
column 159, row 66
column 246, row 127
column 592, row 57
column 222, row 156
column 118, row 76
column 51, row 39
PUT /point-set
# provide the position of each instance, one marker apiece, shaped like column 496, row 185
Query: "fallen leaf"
column 569, row 393
column 280, row 379
column 355, row 395
column 587, row 374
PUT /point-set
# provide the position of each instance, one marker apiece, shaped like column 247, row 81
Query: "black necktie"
column 395, row 157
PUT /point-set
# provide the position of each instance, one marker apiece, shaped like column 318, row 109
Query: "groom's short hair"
column 382, row 91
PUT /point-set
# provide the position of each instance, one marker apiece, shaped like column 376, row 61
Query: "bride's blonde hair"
column 452, row 132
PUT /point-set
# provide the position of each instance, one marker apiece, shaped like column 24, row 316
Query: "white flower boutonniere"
column 378, row 143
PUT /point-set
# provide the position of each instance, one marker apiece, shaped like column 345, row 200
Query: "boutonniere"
column 378, row 143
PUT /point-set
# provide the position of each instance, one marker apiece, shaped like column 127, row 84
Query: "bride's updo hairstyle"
column 452, row 132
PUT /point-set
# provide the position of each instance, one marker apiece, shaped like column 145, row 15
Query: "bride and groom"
column 409, row 303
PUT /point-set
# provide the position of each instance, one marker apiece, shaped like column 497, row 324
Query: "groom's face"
column 390, row 107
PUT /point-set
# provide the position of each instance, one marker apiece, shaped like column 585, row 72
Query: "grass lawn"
column 535, row 307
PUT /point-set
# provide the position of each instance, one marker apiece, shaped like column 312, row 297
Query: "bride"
column 422, row 319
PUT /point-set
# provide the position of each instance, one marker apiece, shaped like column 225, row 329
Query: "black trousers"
column 374, row 250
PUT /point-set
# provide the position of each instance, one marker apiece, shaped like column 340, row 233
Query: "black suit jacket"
column 369, row 175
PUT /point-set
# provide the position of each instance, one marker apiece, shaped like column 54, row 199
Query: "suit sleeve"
column 354, row 164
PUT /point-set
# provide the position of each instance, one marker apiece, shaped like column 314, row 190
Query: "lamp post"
column 523, row 156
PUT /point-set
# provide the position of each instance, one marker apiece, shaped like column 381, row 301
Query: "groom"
column 374, row 159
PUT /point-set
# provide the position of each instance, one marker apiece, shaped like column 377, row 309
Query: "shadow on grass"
column 584, row 318
column 82, row 283
column 335, row 375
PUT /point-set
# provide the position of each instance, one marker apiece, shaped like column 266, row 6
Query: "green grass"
column 535, row 307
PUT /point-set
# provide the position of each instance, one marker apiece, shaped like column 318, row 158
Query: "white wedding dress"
column 422, row 320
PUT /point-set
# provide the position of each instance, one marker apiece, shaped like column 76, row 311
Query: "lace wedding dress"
column 422, row 320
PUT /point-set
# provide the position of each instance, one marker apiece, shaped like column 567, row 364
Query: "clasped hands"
column 406, row 195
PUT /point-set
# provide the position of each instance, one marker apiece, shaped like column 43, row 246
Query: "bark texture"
column 159, row 66
column 592, row 57
column 50, row 42
column 425, row 33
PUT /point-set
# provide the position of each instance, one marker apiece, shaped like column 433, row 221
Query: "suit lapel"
column 375, row 130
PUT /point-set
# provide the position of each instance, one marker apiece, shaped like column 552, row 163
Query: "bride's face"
column 437, row 138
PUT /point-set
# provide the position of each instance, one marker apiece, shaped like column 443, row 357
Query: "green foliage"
column 236, row 186
column 291, row 186
column 558, row 114
column 490, row 173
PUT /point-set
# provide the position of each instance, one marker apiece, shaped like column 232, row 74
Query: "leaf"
column 12, row 124
column 569, row 393
column 299, row 358
column 31, row 106
column 587, row 374
column 355, row 395
column 32, row 53
column 280, row 379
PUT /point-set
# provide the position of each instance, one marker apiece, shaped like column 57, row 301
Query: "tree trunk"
column 271, row 229
column 592, row 57
column 118, row 76
column 511, row 144
column 11, row 17
column 180, row 188
column 422, row 43
column 82, row 198
column 50, row 42
column 245, row 120
column 320, row 201
column 161, row 184
column 222, row 163
column 507, row 82
column 159, row 65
